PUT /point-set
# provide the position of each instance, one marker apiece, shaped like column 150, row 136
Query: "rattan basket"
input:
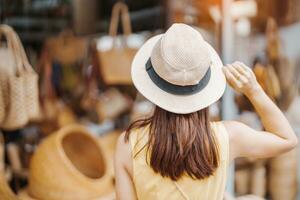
column 283, row 176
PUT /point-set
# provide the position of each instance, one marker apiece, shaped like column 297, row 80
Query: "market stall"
column 66, row 92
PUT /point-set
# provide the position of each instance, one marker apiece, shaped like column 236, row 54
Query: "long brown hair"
column 180, row 143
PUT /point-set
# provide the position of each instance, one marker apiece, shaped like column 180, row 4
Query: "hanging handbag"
column 31, row 85
column 111, row 104
column 66, row 48
column 12, row 85
column 18, row 83
column 7, row 63
column 115, row 61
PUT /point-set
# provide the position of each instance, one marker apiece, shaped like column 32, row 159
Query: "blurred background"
column 66, row 92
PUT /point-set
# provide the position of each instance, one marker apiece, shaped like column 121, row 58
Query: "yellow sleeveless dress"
column 151, row 186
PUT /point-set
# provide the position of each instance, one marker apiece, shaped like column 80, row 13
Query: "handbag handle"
column 120, row 10
column 20, row 49
column 66, row 35
column 10, row 36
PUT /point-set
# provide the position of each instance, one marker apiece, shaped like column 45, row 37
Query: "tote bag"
column 30, row 85
column 7, row 64
column 12, row 82
column 66, row 48
column 18, row 83
column 115, row 63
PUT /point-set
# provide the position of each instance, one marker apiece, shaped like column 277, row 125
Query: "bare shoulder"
column 123, row 152
column 235, row 131
column 123, row 148
column 235, row 128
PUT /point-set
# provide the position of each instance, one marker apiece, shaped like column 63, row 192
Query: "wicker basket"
column 69, row 165
column 283, row 176
column 23, row 195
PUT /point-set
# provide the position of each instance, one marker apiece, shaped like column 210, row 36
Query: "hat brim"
column 181, row 104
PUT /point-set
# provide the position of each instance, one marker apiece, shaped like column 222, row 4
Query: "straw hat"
column 179, row 71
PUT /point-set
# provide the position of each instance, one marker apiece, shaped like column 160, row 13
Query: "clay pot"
column 23, row 195
column 69, row 165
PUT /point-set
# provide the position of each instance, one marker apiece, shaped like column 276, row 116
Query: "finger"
column 231, row 78
column 240, row 68
column 239, row 76
column 232, row 69
column 244, row 72
column 243, row 79
column 245, row 67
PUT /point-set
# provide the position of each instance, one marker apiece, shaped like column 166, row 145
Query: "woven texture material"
column 283, row 176
column 180, row 57
column 31, row 93
column 115, row 64
column 18, row 84
column 69, row 165
column 67, row 48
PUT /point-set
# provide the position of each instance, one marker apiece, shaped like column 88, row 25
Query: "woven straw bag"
column 115, row 63
column 111, row 104
column 66, row 48
column 7, row 64
column 69, row 165
column 19, row 84
column 12, row 83
column 31, row 85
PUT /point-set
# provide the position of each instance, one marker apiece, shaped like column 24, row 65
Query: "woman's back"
column 182, row 155
column 150, row 185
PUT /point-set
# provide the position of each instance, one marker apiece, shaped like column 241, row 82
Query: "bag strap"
column 66, row 35
column 120, row 10
column 20, row 49
column 12, row 44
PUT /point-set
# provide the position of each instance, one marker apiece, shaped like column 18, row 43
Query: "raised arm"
column 279, row 137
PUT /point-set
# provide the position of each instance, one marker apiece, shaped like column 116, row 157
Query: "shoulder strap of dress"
column 223, row 139
column 138, row 139
column 184, row 195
